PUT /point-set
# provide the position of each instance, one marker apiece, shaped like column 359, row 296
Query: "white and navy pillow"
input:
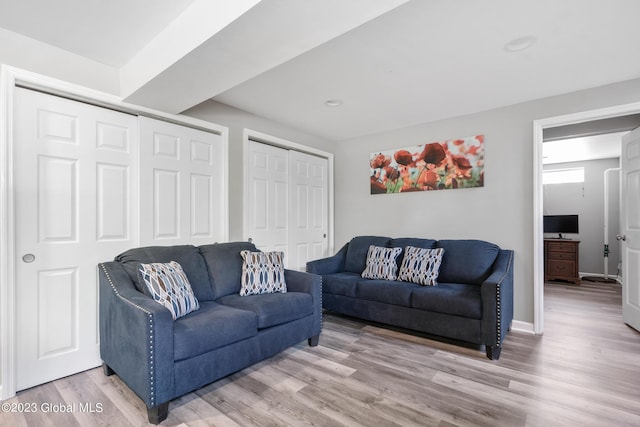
column 262, row 273
column 381, row 263
column 169, row 286
column 421, row 266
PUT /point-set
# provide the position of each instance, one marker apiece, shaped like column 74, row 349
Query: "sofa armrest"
column 136, row 336
column 497, row 300
column 298, row 281
column 329, row 265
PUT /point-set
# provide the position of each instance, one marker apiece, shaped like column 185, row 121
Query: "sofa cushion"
column 273, row 309
column 169, row 287
column 449, row 298
column 213, row 326
column 416, row 242
column 343, row 284
column 386, row 291
column 381, row 263
column 356, row 257
column 187, row 256
column 224, row 264
column 421, row 266
column 466, row 261
column 262, row 273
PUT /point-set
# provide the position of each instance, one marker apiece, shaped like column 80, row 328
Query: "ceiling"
column 110, row 32
column 605, row 146
column 390, row 63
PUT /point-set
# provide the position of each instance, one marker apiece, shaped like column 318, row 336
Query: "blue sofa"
column 472, row 302
column 160, row 358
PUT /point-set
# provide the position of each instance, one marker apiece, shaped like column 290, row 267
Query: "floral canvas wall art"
column 450, row 164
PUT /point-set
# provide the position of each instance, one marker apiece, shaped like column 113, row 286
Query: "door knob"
column 621, row 237
column 28, row 258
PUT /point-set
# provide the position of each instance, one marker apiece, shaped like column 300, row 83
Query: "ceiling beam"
column 202, row 20
column 264, row 36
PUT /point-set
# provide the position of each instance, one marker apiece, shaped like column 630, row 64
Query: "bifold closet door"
column 75, row 206
column 182, row 185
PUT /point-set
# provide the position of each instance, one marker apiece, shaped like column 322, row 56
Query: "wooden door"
column 75, row 187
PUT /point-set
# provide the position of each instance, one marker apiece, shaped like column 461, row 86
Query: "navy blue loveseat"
column 161, row 359
column 472, row 302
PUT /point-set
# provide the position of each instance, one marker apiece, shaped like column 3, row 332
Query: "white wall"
column 29, row 54
column 586, row 199
column 501, row 211
column 238, row 120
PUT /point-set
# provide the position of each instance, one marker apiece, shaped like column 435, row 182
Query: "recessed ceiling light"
column 520, row 44
column 333, row 102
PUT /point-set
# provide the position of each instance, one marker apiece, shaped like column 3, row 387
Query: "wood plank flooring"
column 584, row 371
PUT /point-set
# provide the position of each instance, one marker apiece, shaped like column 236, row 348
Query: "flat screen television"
column 561, row 224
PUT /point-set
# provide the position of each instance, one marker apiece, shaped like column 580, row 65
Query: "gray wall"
column 501, row 211
column 587, row 200
column 237, row 120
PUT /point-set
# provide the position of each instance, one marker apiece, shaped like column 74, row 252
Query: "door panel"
column 182, row 185
column 309, row 206
column 630, row 223
column 201, row 205
column 113, row 194
column 57, row 312
column 268, row 198
column 57, row 191
column 73, row 181
column 166, row 205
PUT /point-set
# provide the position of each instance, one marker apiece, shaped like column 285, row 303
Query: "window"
column 563, row 176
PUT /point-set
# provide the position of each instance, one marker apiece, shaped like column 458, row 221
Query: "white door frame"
column 538, row 239
column 9, row 78
column 249, row 134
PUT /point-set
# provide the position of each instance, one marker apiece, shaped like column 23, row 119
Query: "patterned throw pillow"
column 262, row 273
column 169, row 286
column 381, row 263
column 421, row 266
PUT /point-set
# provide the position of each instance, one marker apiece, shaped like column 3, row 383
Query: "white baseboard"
column 520, row 326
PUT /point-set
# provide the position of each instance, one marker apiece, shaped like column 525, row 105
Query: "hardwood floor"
column 584, row 371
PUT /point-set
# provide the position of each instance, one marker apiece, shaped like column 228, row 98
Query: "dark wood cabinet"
column 561, row 260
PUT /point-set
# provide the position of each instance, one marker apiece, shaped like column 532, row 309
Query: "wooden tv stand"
column 561, row 260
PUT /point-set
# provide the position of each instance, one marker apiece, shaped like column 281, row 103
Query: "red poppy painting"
column 455, row 163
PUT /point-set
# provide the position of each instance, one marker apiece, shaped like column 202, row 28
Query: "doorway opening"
column 619, row 118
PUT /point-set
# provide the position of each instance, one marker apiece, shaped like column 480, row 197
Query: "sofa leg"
column 493, row 352
column 314, row 340
column 158, row 413
column 107, row 370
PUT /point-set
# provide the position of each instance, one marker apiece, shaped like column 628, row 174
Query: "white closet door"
column 287, row 203
column 308, row 224
column 74, row 191
column 182, row 179
column 268, row 198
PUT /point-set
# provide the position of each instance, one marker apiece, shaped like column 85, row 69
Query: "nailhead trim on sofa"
column 151, row 335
